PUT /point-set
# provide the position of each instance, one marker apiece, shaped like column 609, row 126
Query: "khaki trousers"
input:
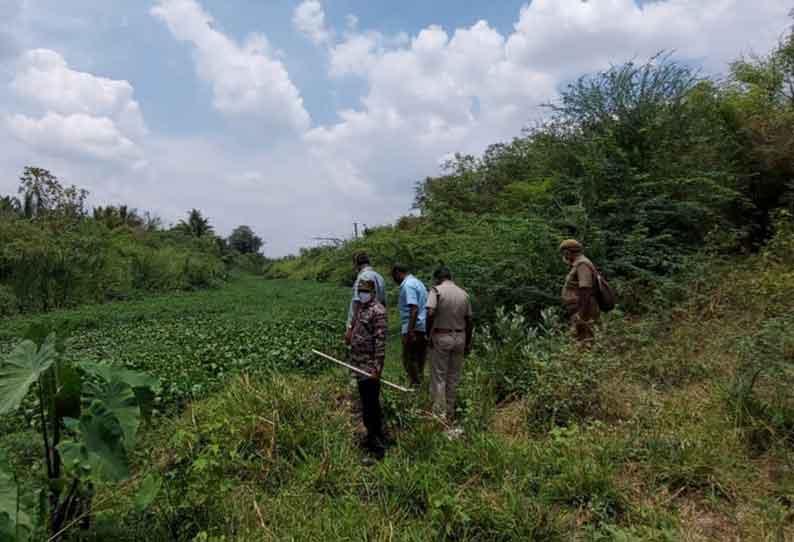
column 446, row 359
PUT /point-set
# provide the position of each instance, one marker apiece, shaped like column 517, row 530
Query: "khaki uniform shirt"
column 580, row 276
column 450, row 304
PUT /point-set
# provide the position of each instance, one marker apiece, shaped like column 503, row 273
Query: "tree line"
column 55, row 252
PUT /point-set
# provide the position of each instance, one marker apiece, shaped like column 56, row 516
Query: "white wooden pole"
column 359, row 371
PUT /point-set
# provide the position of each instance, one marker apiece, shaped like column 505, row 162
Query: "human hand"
column 375, row 375
column 349, row 336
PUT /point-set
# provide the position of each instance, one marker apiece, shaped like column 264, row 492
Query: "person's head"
column 399, row 272
column 570, row 249
column 366, row 291
column 441, row 274
column 360, row 261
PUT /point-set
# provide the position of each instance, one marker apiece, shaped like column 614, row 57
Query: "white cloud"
column 82, row 114
column 45, row 77
column 444, row 92
column 356, row 55
column 78, row 134
column 309, row 19
column 568, row 37
column 246, row 79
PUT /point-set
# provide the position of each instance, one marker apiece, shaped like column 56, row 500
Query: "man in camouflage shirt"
column 368, row 353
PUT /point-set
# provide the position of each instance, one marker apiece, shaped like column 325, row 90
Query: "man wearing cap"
column 368, row 353
column 364, row 271
column 413, row 297
column 577, row 293
column 449, row 321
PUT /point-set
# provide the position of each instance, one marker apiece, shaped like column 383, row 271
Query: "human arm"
column 380, row 327
column 352, row 312
column 431, row 317
column 584, row 304
column 410, row 335
column 355, row 306
column 430, row 307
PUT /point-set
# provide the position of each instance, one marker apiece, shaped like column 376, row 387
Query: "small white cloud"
column 309, row 19
column 246, row 79
column 351, row 21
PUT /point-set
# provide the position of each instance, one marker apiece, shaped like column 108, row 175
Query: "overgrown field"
column 678, row 426
column 193, row 341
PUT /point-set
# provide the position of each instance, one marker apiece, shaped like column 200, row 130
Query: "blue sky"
column 330, row 112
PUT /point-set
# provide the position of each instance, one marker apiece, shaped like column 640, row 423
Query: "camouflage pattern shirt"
column 368, row 343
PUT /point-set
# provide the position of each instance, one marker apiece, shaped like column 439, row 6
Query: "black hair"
column 442, row 273
column 399, row 268
column 361, row 258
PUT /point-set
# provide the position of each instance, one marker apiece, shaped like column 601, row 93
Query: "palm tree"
column 196, row 224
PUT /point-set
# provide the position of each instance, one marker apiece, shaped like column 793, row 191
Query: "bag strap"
column 594, row 270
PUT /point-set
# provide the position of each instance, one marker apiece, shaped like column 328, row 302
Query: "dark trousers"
column 369, row 390
column 414, row 357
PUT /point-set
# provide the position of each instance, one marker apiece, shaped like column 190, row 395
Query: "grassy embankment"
column 646, row 438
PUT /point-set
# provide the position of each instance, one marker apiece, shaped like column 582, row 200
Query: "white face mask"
column 365, row 297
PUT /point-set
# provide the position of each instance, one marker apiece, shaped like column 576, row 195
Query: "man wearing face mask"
column 364, row 271
column 368, row 353
column 577, row 293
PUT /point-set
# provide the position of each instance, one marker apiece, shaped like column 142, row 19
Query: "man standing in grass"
column 413, row 298
column 364, row 271
column 577, row 293
column 449, row 319
column 368, row 353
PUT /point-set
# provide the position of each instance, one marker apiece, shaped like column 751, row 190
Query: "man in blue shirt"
column 364, row 271
column 413, row 315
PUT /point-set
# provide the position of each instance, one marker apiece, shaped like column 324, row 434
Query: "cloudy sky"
column 301, row 117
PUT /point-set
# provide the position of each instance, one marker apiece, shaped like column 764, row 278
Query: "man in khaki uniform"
column 577, row 293
column 449, row 325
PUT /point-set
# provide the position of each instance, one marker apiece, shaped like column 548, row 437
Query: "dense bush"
column 500, row 260
column 54, row 254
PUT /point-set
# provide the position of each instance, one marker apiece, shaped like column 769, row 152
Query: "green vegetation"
column 99, row 406
column 54, row 254
column 191, row 342
column 647, row 165
column 653, row 435
column 677, row 424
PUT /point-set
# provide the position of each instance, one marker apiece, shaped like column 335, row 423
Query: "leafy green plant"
column 88, row 416
column 760, row 390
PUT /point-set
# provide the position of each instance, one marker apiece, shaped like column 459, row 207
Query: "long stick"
column 359, row 371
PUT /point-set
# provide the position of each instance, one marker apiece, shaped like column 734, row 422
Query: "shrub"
column 760, row 391
column 8, row 302
column 561, row 385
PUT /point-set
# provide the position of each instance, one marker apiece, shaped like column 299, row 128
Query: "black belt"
column 442, row 330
